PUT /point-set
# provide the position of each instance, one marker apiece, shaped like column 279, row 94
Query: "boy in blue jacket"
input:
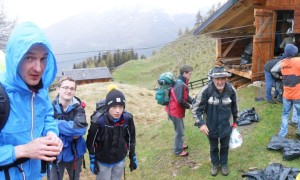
column 72, row 125
column 30, row 133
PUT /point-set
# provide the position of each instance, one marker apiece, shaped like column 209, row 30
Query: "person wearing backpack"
column 179, row 101
column 110, row 137
column 216, row 101
column 30, row 133
column 71, row 119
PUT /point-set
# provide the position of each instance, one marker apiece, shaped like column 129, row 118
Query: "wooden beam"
column 231, row 35
column 262, row 39
column 229, row 47
column 259, row 2
column 245, row 73
column 219, row 48
column 231, row 61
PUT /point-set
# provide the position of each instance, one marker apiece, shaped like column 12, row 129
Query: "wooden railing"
column 198, row 83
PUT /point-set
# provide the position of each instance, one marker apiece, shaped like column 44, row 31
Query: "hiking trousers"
column 287, row 106
column 114, row 172
column 219, row 156
column 179, row 134
column 69, row 167
column 269, row 84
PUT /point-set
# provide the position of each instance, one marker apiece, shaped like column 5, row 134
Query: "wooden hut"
column 89, row 75
column 255, row 25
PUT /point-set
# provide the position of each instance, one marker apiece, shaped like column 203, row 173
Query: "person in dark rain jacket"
column 110, row 137
column 217, row 101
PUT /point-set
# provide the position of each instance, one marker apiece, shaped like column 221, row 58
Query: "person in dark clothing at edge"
column 70, row 116
column 270, row 79
column 179, row 101
column 110, row 138
column 218, row 102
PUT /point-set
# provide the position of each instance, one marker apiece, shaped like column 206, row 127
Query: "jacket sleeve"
column 179, row 91
column 66, row 128
column 92, row 134
column 131, row 136
column 234, row 106
column 50, row 124
column 80, row 118
column 74, row 127
column 199, row 106
column 276, row 70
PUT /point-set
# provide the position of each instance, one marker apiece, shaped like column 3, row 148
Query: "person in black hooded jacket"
column 110, row 137
column 218, row 101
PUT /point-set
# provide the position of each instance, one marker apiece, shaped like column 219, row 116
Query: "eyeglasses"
column 68, row 88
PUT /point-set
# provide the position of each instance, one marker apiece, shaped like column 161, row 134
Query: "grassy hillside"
column 199, row 52
column 155, row 134
column 155, row 137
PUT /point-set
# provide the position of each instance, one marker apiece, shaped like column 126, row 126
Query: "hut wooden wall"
column 263, row 41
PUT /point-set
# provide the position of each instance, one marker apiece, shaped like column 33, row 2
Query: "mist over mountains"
column 85, row 35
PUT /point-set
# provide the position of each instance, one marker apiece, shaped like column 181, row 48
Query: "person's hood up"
column 290, row 50
column 20, row 41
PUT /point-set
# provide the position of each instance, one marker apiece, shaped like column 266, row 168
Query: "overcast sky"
column 46, row 12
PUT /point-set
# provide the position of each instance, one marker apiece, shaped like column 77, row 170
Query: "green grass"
column 195, row 51
column 155, row 146
column 155, row 143
column 155, row 135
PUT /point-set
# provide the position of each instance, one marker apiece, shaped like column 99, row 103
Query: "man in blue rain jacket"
column 30, row 133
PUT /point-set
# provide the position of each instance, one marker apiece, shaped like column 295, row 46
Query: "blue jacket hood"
column 31, row 113
column 22, row 38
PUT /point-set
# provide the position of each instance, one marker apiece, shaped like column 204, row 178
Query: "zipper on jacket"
column 22, row 171
column 32, row 114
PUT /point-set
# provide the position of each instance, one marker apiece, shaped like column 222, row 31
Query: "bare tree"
column 6, row 28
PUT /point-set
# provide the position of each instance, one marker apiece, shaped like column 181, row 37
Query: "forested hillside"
column 198, row 51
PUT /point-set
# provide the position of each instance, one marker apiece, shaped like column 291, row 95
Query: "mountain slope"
column 116, row 29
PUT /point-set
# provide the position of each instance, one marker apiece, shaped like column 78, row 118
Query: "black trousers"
column 219, row 156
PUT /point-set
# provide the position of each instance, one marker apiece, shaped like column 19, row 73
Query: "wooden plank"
column 231, row 61
column 232, row 16
column 246, row 73
column 219, row 48
column 259, row 2
column 229, row 47
column 239, row 82
column 262, row 39
column 263, row 42
column 297, row 21
column 282, row 4
column 265, row 24
column 230, row 35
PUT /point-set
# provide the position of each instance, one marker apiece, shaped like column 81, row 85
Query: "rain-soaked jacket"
column 31, row 114
column 71, row 123
column 179, row 98
column 218, row 108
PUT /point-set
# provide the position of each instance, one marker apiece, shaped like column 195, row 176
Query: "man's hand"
column 44, row 148
column 204, row 129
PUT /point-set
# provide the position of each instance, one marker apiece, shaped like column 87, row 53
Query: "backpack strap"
column 4, row 107
column 4, row 113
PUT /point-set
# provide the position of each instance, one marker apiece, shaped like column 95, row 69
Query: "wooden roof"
column 88, row 73
column 234, row 18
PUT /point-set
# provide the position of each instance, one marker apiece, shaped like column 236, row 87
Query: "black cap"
column 115, row 97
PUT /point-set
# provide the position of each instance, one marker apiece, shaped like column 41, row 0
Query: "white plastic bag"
column 236, row 139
